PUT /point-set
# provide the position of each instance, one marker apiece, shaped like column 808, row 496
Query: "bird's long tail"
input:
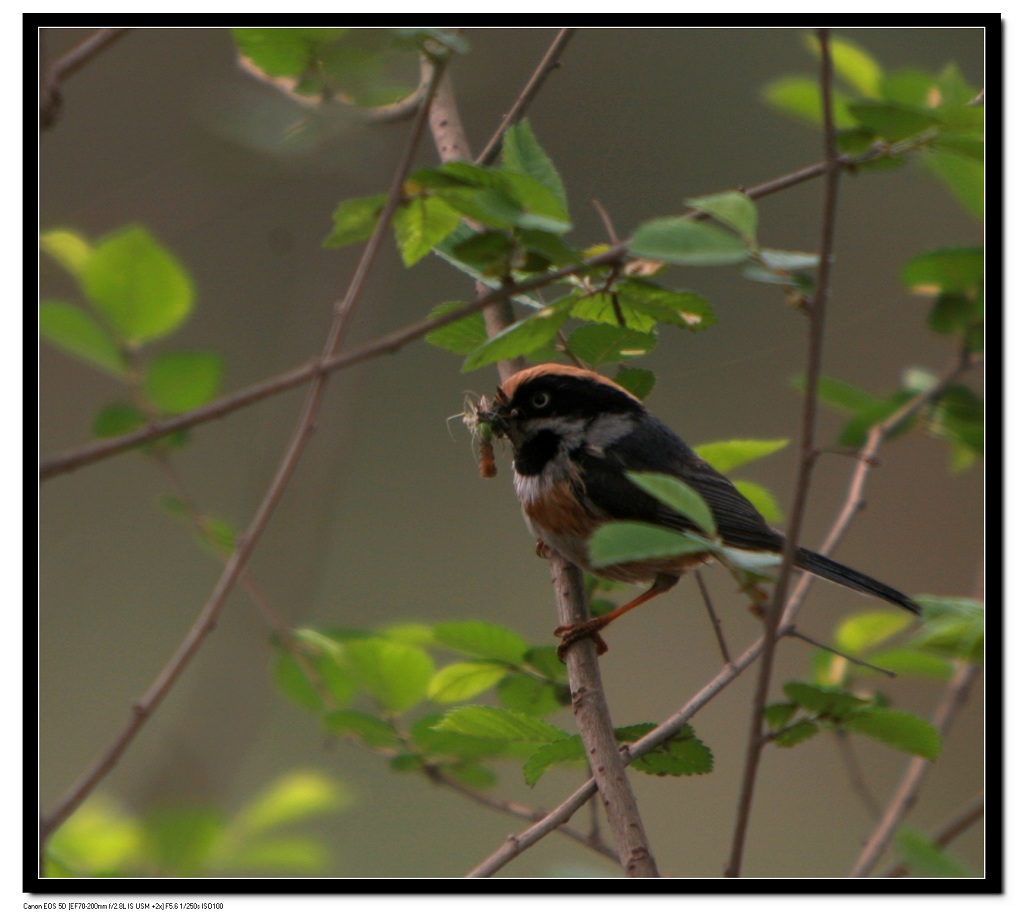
column 826, row 568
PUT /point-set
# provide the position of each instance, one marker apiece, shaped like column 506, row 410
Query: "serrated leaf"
column 677, row 757
column 138, row 285
column 69, row 249
column 521, row 337
column 732, row 208
column 482, row 639
column 903, row 731
column 679, row 496
column 565, row 750
column 354, row 220
column 629, row 541
column 525, row 693
column 74, row 331
column 499, row 725
column 182, row 380
column 464, row 680
column 926, row 860
column 603, row 344
column 420, row 224
column 521, row 152
column 681, row 241
column 639, row 381
column 371, row 731
column 394, row 674
column 727, row 455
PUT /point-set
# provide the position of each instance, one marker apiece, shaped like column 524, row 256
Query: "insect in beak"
column 481, row 419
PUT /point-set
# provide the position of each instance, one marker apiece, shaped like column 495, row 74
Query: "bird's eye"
column 540, row 399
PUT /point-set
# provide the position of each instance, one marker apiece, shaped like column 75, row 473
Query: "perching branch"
column 207, row 617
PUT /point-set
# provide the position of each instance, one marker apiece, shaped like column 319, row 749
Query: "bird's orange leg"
column 576, row 631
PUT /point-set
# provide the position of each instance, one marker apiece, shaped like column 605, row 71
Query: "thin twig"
column 964, row 819
column 390, row 342
column 50, row 83
column 207, row 617
column 716, row 623
column 816, row 330
column 547, row 64
column 905, row 796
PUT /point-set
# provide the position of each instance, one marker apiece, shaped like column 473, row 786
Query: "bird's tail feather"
column 826, row 568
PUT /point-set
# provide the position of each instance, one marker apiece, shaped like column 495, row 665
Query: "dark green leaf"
column 685, row 242
column 522, row 337
column 139, row 287
column 680, row 756
column 955, row 270
column 544, row 660
column 463, row 336
column 831, row 703
column 73, row 330
column 283, row 52
column 354, row 220
column 182, row 380
column 639, row 381
column 953, row 626
column 117, row 419
column 732, row 208
column 549, row 246
column 679, row 496
column 483, row 640
column 963, row 176
column 685, row 309
column 602, row 344
column 903, row 731
column 778, row 714
column 525, row 693
column 522, row 153
column 792, row 735
column 565, row 750
column 485, row 251
column 892, row 121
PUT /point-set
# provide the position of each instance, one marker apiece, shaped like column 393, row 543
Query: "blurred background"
column 388, row 520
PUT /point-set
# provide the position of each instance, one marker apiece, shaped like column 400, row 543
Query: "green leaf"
column 294, row 684
column 138, row 285
column 682, row 755
column 679, row 496
column 296, row 796
column 858, row 69
column 73, row 330
column 786, row 260
column 682, row 241
column 217, row 537
column 761, row 498
column 801, row 97
column 727, row 455
column 482, row 639
column 431, row 738
column 489, row 251
column 799, row 731
column 522, row 337
column 908, row 662
column 639, row 381
column 903, row 731
column 858, row 634
column 371, row 731
column 99, row 839
column 926, row 860
column 825, row 701
column 462, row 337
column 354, row 220
column 474, row 775
column 953, row 626
column 628, row 541
column 182, row 380
column 892, row 121
column 603, row 344
column 545, row 661
column 525, row 693
column 685, row 309
column 283, row 52
column 565, row 750
column 464, row 680
column 422, row 223
column 67, row 248
column 180, row 839
column 734, row 209
column 778, row 714
column 499, row 725
column 844, row 396
column 522, row 153
column 117, row 419
column 395, row 675
column 963, row 176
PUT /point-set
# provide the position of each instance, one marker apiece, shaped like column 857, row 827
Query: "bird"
column 575, row 435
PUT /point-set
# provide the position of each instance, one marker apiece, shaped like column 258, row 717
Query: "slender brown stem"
column 816, row 335
column 67, row 64
column 547, row 65
column 207, row 617
column 964, row 819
